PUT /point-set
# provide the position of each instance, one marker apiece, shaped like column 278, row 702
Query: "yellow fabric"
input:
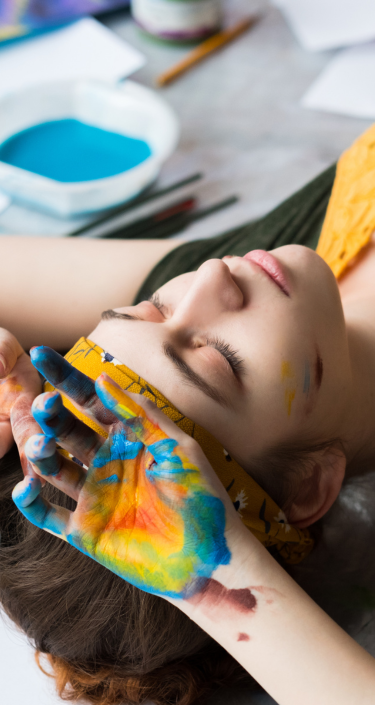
column 350, row 218
column 257, row 510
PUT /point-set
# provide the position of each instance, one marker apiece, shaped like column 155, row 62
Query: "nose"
column 212, row 292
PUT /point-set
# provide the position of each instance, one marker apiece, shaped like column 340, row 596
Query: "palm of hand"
column 149, row 507
column 147, row 514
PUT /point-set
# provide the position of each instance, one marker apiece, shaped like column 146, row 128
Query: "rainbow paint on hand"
column 145, row 511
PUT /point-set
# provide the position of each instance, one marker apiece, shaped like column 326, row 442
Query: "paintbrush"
column 176, row 223
column 144, row 227
column 207, row 47
column 138, row 201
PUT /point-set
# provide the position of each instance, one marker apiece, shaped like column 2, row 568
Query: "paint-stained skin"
column 307, row 378
column 243, row 637
column 10, row 389
column 69, row 381
column 288, row 379
column 312, row 380
column 56, row 421
column 144, row 511
column 17, row 390
column 213, row 596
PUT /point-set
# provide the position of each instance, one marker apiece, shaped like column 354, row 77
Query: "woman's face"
column 251, row 348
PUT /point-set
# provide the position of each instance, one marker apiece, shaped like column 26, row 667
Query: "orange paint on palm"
column 145, row 510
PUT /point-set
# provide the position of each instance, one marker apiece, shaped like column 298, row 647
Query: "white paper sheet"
column 347, row 85
column 85, row 49
column 328, row 24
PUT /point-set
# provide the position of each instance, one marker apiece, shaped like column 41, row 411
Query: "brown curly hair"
column 104, row 640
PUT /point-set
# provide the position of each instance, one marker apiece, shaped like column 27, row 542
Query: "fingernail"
column 26, row 491
column 3, row 366
column 39, row 447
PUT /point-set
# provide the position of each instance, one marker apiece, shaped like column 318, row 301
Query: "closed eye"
column 236, row 363
column 155, row 301
column 231, row 356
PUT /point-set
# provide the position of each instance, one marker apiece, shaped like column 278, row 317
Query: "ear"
column 318, row 491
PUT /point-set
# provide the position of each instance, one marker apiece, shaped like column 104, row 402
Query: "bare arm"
column 52, row 290
column 279, row 635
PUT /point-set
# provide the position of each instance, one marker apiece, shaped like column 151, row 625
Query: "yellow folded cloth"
column 350, row 218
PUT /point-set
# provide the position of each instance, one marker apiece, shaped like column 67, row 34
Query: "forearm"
column 280, row 636
column 52, row 290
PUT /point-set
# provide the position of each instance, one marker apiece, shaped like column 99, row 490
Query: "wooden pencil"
column 217, row 41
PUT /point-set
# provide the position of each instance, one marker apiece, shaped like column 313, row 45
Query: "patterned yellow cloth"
column 350, row 219
column 257, row 510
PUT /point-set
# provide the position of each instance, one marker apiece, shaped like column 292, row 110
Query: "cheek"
column 280, row 387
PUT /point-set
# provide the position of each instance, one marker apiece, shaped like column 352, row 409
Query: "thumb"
column 6, row 437
column 10, row 351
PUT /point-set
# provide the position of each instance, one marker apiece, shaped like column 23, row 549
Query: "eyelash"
column 155, row 301
column 236, row 363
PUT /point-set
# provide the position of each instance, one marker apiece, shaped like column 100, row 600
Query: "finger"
column 10, row 351
column 23, row 426
column 41, row 452
column 58, row 422
column 67, row 476
column 40, row 512
column 6, row 437
column 148, row 423
column 74, row 384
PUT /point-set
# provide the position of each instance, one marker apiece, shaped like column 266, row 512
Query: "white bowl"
column 127, row 108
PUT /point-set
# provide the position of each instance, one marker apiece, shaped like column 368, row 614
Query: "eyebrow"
column 110, row 314
column 192, row 377
column 182, row 367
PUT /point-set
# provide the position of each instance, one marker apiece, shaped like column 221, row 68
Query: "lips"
column 271, row 266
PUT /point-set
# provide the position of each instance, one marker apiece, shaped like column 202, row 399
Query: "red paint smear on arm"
column 214, row 595
column 243, row 637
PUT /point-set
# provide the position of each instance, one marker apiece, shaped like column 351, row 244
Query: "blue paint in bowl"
column 70, row 151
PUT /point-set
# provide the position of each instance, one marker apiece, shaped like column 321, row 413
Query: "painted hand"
column 149, row 507
column 19, row 385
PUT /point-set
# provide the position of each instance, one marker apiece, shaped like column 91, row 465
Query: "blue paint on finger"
column 46, row 406
column 41, row 451
column 26, row 491
column 49, row 466
column 53, row 421
column 43, row 515
column 39, row 446
column 61, row 374
column 74, row 384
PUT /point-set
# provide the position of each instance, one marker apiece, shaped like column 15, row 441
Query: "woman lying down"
column 269, row 364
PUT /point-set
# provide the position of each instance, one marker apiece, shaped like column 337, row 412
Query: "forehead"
column 170, row 356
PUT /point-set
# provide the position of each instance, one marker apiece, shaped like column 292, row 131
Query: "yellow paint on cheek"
column 286, row 370
column 288, row 378
column 289, row 396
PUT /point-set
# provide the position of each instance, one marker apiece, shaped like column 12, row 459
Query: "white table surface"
column 241, row 122
column 243, row 125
